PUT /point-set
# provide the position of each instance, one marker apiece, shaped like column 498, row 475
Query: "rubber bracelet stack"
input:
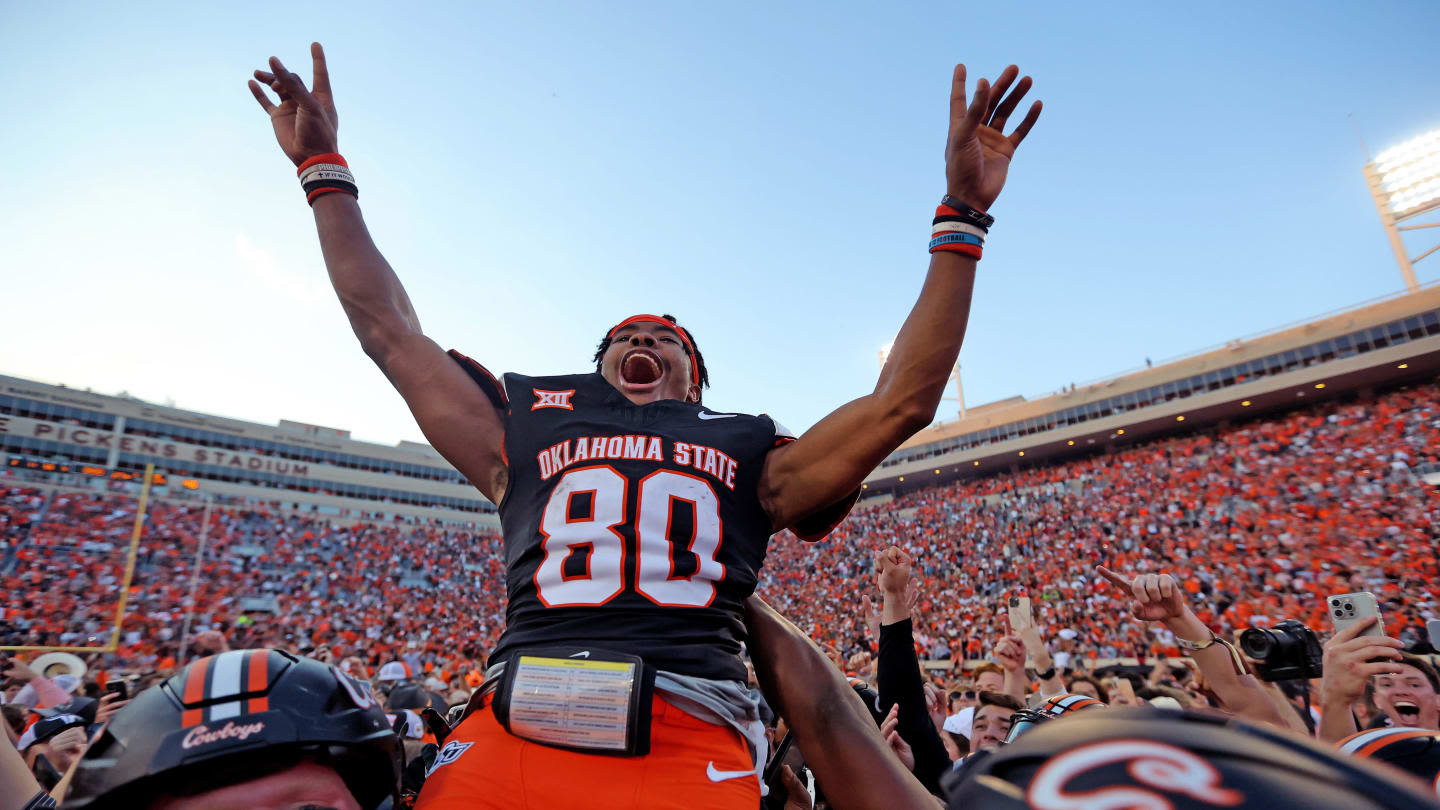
column 959, row 228
column 324, row 174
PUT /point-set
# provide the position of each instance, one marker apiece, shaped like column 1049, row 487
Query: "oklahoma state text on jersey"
column 634, row 528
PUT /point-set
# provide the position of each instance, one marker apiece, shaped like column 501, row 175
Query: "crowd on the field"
column 1256, row 523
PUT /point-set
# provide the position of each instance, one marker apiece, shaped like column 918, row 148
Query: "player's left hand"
column 977, row 152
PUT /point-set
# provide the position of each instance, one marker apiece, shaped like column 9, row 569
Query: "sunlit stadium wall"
column 81, row 438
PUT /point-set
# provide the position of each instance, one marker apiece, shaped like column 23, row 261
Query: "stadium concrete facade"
column 62, row 435
column 1352, row 352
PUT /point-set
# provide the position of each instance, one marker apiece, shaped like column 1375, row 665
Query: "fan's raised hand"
column 305, row 121
column 977, row 152
column 1157, row 597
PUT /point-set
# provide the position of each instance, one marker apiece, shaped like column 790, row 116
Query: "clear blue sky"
column 537, row 171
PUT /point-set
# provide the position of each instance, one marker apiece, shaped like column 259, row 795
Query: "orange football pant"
column 500, row 770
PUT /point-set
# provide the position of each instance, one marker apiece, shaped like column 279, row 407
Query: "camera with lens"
column 1286, row 652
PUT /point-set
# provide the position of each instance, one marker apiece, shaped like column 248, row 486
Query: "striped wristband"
column 324, row 174
column 958, row 228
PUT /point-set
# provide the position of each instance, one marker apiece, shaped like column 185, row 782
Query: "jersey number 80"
column 604, row 575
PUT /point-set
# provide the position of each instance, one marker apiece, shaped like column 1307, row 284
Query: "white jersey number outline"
column 605, row 561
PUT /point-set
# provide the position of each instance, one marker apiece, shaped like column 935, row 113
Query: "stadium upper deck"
column 1394, row 340
column 78, row 435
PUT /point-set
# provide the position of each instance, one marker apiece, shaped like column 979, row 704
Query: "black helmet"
column 1142, row 758
column 870, row 698
column 237, row 716
column 1416, row 750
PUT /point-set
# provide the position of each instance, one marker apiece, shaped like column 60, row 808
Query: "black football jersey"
column 634, row 528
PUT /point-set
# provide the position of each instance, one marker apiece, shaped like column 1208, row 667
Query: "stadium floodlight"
column 884, row 354
column 1405, row 183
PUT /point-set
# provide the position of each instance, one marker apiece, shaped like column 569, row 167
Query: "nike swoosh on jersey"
column 721, row 776
column 716, row 415
column 582, row 654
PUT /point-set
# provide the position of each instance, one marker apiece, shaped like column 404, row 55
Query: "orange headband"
column 677, row 328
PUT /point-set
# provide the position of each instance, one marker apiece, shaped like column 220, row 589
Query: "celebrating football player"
column 635, row 519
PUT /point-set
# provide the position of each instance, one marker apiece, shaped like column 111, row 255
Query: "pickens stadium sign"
column 158, row 448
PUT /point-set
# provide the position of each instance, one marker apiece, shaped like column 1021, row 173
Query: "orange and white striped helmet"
column 1416, row 750
column 237, row 716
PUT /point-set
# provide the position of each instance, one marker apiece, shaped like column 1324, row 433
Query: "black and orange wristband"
column 325, row 174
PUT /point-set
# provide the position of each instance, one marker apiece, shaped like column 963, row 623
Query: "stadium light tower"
column 954, row 375
column 1404, row 180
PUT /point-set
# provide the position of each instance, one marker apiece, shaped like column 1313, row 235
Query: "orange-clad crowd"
column 1258, row 520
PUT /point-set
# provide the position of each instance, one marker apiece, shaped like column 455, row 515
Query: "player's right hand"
column 305, row 120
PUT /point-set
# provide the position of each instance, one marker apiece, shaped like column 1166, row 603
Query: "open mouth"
column 1406, row 709
column 641, row 369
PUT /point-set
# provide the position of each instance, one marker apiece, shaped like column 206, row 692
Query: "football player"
column 635, row 519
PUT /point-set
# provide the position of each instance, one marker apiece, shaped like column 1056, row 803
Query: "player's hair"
column 698, row 359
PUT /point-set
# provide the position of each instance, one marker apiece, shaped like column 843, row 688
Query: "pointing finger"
column 1114, row 578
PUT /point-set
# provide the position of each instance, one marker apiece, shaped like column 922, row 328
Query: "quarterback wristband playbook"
column 577, row 698
column 959, row 228
column 325, row 174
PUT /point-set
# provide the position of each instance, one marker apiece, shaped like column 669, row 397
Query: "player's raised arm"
column 840, row 741
column 830, row 460
column 454, row 413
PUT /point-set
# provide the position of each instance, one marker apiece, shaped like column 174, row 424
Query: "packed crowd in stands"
column 1257, row 522
column 1262, row 517
column 373, row 591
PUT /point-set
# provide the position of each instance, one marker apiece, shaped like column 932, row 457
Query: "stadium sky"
column 537, row 171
